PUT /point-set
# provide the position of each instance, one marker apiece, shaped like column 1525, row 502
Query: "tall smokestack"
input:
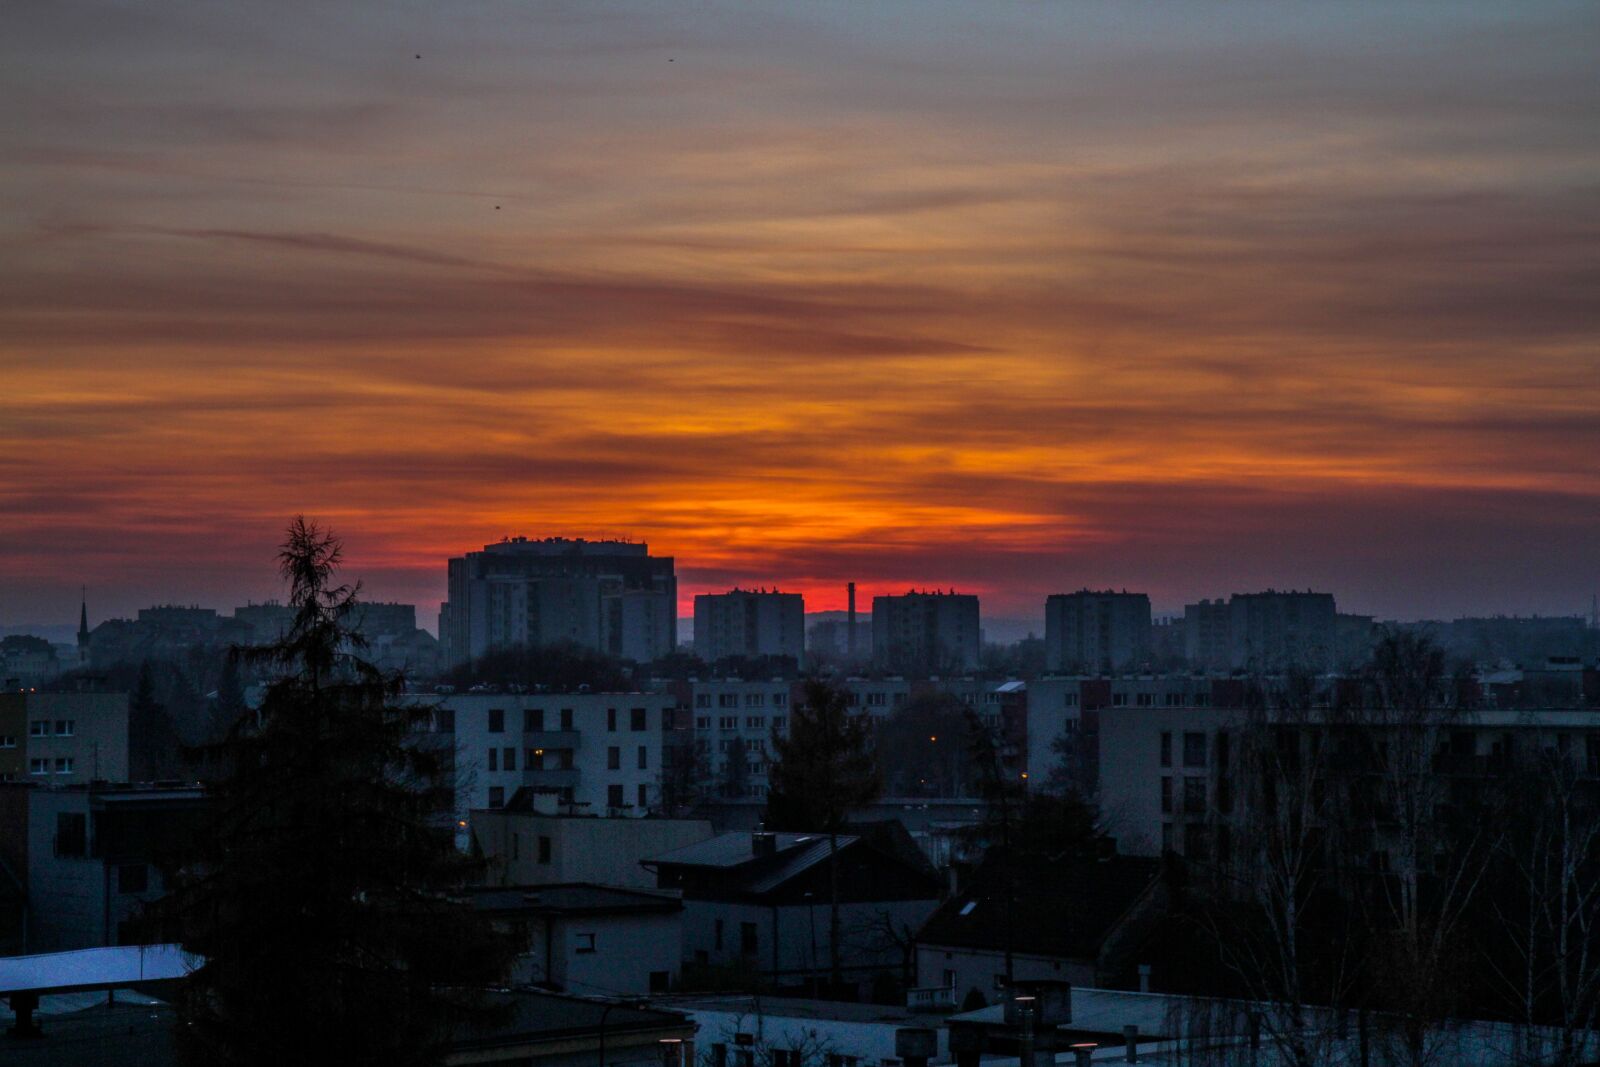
column 850, row 627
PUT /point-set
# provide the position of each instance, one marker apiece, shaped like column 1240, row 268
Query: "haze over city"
column 1008, row 299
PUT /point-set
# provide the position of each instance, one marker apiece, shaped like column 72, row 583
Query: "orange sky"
column 1014, row 299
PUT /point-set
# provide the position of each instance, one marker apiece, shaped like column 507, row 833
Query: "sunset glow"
column 1010, row 299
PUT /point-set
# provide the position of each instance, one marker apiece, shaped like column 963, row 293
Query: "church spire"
column 83, row 626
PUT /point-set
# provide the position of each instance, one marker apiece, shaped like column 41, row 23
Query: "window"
column 508, row 759
column 544, row 848
column 644, row 758
column 780, row 700
column 1166, row 748
column 494, row 759
column 1166, row 794
column 644, row 795
column 133, row 878
column 444, row 720
column 1069, row 700
column 39, row 728
column 728, row 722
column 497, row 796
column 1119, row 700
column 636, row 717
column 72, row 833
column 755, row 700
column 1200, row 700
column 564, row 759
column 1166, row 837
column 1194, row 796
column 583, row 943
column 780, row 722
column 614, row 796
column 754, row 722
column 64, row 764
column 702, row 700
column 8, row 740
column 611, row 720
column 877, row 700
column 1194, row 750
column 1174, row 700
column 38, row 765
column 66, row 727
column 566, row 718
column 497, row 720
column 1146, row 700
column 716, row 935
column 614, row 758
column 533, row 720
column 727, row 700
column 748, row 944
column 702, row 722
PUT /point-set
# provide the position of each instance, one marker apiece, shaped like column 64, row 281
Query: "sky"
column 1014, row 299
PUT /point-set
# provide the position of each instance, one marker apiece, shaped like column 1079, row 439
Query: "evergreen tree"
column 320, row 900
column 229, row 703
column 735, row 769
column 153, row 744
column 821, row 772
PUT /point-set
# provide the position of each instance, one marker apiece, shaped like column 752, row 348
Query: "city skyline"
column 1014, row 300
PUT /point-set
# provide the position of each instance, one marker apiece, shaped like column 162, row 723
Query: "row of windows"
column 41, row 727
column 1148, row 700
column 40, row 765
column 614, row 799
column 534, row 719
column 751, row 700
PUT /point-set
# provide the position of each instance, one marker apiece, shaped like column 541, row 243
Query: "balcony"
column 551, row 778
column 552, row 740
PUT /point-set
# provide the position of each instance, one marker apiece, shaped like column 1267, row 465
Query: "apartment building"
column 926, row 633
column 1096, row 631
column 749, row 622
column 610, row 596
column 56, row 739
column 593, row 752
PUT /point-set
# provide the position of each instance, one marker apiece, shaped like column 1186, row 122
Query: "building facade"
column 925, row 633
column 1096, row 631
column 609, row 596
column 56, row 739
column 748, row 623
column 599, row 753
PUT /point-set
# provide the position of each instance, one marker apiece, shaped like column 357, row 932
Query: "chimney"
column 1144, row 978
column 763, row 844
column 850, row 627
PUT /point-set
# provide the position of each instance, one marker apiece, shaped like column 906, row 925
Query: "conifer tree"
column 821, row 772
column 321, row 899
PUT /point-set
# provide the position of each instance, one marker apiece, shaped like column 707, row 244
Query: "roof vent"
column 763, row 844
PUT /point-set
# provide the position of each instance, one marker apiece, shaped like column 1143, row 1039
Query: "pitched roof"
column 1064, row 909
column 736, row 849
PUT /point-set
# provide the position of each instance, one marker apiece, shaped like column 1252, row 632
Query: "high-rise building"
column 926, row 632
column 1091, row 631
column 749, row 622
column 1271, row 631
column 610, row 596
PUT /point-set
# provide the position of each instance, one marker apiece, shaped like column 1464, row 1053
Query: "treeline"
column 1367, row 875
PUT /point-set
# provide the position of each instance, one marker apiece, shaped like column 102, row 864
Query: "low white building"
column 594, row 752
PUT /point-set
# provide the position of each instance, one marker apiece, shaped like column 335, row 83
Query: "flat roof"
column 95, row 968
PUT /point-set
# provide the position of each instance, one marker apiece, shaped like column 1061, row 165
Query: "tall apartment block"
column 609, row 596
column 749, row 622
column 926, row 632
column 1270, row 631
column 1090, row 631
